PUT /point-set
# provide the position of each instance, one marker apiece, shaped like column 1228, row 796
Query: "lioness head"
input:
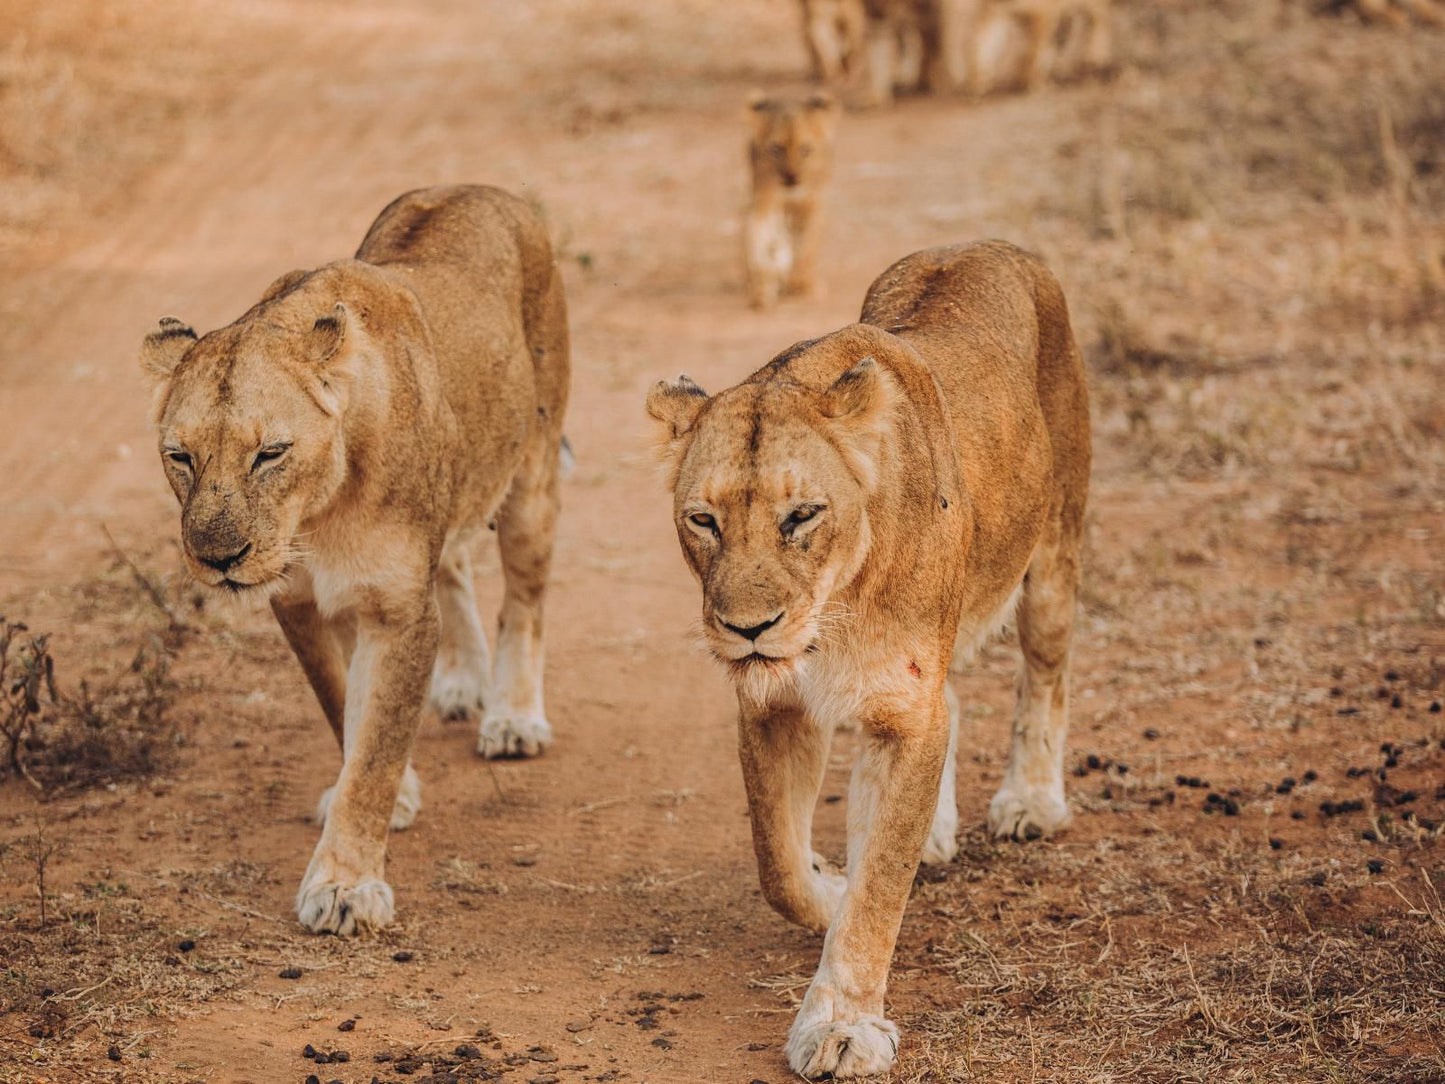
column 792, row 140
column 250, row 433
column 770, row 483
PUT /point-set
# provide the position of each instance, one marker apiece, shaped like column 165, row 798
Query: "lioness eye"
column 181, row 459
column 778, row 150
column 703, row 520
column 269, row 455
column 799, row 516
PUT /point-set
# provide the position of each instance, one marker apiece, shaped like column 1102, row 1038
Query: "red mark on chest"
column 913, row 669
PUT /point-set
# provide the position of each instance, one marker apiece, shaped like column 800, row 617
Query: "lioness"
column 833, row 31
column 982, row 45
column 859, row 511
column 790, row 152
column 334, row 449
column 1398, row 12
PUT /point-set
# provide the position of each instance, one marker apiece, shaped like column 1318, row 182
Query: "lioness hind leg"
column 463, row 666
column 515, row 722
column 784, row 754
column 942, row 842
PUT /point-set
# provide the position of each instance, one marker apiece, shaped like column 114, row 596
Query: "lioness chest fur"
column 335, row 448
column 861, row 510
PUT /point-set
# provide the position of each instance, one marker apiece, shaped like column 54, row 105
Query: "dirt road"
column 594, row 913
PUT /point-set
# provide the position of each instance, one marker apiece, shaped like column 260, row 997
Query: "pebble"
column 186, row 945
column 402, row 957
column 1376, row 865
column 1151, row 734
column 346, row 1025
column 289, row 973
column 1275, row 844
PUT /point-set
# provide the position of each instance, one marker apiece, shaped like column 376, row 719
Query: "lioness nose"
column 754, row 631
column 224, row 564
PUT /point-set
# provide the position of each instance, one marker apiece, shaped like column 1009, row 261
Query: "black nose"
column 755, row 631
column 790, row 179
column 224, row 564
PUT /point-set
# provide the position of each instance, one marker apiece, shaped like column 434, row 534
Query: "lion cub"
column 791, row 153
column 334, row 450
column 859, row 512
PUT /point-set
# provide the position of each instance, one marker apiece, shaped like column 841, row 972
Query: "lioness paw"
column 942, row 843
column 841, row 1048
column 403, row 811
column 346, row 909
column 457, row 694
column 1024, row 812
column 513, row 735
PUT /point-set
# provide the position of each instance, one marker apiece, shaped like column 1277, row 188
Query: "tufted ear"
column 326, row 348
column 675, row 405
column 161, row 351
column 859, row 407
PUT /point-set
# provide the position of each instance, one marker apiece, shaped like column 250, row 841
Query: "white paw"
column 942, row 842
column 403, row 812
column 513, row 735
column 863, row 1046
column 325, row 906
column 457, row 693
column 1021, row 812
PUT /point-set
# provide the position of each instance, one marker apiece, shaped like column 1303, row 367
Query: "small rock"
column 574, row 1026
column 1150, row 734
column 1434, row 707
column 402, row 957
column 308, row 1052
column 346, row 1025
column 467, row 1050
column 1275, row 844
column 1376, row 865
column 662, row 1044
column 1391, row 675
column 186, row 945
column 1310, row 776
column 113, row 1052
column 289, row 973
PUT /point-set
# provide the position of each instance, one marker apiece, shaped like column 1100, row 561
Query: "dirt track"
column 544, row 900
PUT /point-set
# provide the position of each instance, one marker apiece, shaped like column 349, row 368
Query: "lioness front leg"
column 516, row 724
column 841, row 1030
column 323, row 647
column 784, row 754
column 344, row 889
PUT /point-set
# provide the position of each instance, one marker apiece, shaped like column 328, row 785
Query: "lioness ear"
column 675, row 404
column 162, row 350
column 323, row 347
column 860, row 404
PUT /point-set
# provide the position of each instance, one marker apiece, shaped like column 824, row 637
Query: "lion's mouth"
column 772, row 664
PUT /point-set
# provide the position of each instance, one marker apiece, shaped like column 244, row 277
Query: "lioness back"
column 480, row 262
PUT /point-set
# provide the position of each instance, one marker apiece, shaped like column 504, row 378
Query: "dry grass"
column 1174, row 961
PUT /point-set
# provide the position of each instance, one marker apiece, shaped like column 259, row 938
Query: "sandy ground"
column 1264, row 552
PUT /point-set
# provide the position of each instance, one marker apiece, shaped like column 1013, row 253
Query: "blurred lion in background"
column 939, row 46
column 1398, row 12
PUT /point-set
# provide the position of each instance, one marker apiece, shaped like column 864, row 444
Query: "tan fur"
column 833, row 31
column 982, row 45
column 1400, row 12
column 407, row 398
column 855, row 511
column 791, row 156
